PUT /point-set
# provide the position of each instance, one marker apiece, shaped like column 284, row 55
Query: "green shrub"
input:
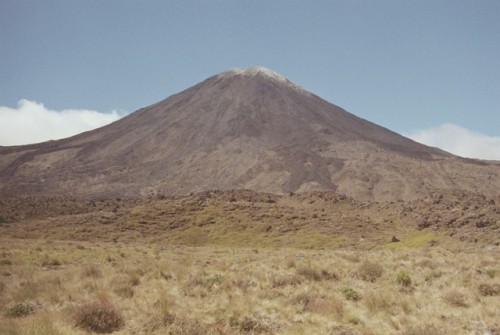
column 349, row 293
column 403, row 279
column 99, row 316
column 20, row 309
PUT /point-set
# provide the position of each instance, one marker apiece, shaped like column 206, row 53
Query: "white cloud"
column 459, row 141
column 32, row 122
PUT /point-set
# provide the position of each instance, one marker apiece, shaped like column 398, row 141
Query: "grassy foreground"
column 61, row 287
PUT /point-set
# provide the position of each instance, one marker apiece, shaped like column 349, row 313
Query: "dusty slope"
column 244, row 218
column 241, row 129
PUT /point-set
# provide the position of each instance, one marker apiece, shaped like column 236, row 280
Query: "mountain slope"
column 243, row 128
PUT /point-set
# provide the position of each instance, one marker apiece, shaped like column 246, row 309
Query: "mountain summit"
column 240, row 129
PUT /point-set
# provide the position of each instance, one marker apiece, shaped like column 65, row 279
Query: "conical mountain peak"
column 245, row 128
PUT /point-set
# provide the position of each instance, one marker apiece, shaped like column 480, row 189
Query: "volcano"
column 240, row 129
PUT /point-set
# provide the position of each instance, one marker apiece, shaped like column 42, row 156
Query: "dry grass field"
column 63, row 287
column 228, row 266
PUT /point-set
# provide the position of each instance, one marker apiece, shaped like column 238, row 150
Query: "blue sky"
column 411, row 66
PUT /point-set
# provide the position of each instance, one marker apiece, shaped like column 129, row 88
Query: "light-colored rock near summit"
column 252, row 71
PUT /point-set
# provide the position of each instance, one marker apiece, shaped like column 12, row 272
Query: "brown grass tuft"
column 92, row 271
column 423, row 330
column 489, row 289
column 316, row 275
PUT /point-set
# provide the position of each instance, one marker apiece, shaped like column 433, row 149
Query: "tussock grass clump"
column 186, row 327
column 134, row 277
column 378, row 301
column 124, row 291
column 370, row 271
column 28, row 290
column 166, row 322
column 303, row 299
column 316, row 275
column 455, row 298
column 162, row 317
column 428, row 263
column 328, row 306
column 423, row 330
column 99, row 316
column 290, row 263
column 37, row 324
column 92, row 271
column 20, row 309
column 320, row 304
column 5, row 262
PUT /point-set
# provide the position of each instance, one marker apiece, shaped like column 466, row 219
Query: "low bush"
column 98, row 316
column 403, row 279
column 20, row 309
column 349, row 293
